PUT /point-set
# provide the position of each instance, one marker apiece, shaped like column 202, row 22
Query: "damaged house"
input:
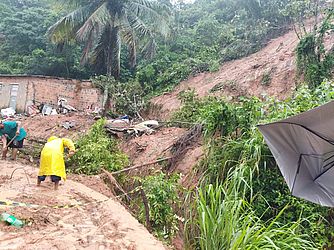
column 19, row 92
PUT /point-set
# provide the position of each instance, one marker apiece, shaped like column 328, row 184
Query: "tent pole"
column 294, row 181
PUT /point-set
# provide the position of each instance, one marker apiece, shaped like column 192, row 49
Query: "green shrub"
column 313, row 61
column 162, row 194
column 97, row 150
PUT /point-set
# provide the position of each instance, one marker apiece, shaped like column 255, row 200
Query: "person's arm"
column 18, row 127
column 70, row 145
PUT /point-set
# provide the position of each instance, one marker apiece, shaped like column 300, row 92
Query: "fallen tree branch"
column 141, row 165
column 180, row 122
column 147, row 210
column 113, row 181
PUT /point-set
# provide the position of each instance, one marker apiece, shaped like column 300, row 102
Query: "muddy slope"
column 271, row 71
column 101, row 223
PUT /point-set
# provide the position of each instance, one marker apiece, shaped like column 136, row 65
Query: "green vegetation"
column 24, row 47
column 313, row 61
column 202, row 36
column 209, row 33
column 244, row 201
column 104, row 25
column 97, row 150
column 128, row 98
column 162, row 195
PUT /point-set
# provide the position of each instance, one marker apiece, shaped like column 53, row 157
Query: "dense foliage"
column 242, row 180
column 97, row 150
column 24, row 47
column 161, row 191
column 208, row 33
column 104, row 25
column 203, row 35
column 314, row 61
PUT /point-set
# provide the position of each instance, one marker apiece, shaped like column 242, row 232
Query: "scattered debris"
column 122, row 122
column 68, row 125
column 116, row 126
column 8, row 112
column 32, row 110
column 47, row 110
column 11, row 220
column 63, row 107
column 146, row 127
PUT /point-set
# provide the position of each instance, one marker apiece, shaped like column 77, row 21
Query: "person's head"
column 52, row 138
column 1, row 125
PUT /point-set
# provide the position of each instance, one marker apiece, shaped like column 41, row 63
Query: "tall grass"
column 225, row 220
column 225, row 213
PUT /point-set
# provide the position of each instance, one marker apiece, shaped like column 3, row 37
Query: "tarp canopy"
column 303, row 146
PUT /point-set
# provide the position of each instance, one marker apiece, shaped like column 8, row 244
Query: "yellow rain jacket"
column 52, row 159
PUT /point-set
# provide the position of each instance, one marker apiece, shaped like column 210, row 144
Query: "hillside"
column 270, row 72
column 170, row 153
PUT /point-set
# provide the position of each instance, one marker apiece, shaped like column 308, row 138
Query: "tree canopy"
column 103, row 25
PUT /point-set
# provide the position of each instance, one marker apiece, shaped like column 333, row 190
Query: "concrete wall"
column 41, row 89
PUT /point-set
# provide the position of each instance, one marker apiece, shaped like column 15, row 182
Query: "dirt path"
column 99, row 224
column 271, row 71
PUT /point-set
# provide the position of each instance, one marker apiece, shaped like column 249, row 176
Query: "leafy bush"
column 313, row 61
column 161, row 191
column 127, row 97
column 95, row 151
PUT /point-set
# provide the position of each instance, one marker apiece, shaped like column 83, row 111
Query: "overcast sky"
column 184, row 1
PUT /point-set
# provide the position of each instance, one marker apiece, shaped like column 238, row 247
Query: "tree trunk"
column 113, row 61
column 114, row 54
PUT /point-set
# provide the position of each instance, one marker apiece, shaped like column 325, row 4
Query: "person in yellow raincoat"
column 52, row 160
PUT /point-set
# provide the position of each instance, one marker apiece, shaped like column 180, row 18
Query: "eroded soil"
column 99, row 222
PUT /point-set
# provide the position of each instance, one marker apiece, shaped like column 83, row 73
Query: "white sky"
column 184, row 1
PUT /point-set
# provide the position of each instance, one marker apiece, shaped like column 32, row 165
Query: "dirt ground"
column 148, row 148
column 101, row 223
column 42, row 127
column 269, row 72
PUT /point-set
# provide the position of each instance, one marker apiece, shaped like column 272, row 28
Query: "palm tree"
column 102, row 25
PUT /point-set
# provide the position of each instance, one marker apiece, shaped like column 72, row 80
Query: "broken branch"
column 113, row 181
column 147, row 210
column 141, row 165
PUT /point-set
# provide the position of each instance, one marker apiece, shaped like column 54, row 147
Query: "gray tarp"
column 303, row 146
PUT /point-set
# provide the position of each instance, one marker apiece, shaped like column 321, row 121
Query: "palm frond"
column 129, row 38
column 153, row 13
column 149, row 9
column 87, row 49
column 75, row 3
column 94, row 23
column 150, row 48
column 139, row 26
column 65, row 29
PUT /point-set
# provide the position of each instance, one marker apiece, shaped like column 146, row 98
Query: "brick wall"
column 47, row 90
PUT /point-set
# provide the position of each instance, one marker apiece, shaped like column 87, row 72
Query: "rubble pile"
column 122, row 126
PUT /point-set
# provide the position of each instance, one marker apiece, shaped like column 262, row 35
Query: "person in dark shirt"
column 12, row 136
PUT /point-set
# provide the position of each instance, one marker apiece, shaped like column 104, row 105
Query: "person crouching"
column 52, row 160
column 12, row 136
